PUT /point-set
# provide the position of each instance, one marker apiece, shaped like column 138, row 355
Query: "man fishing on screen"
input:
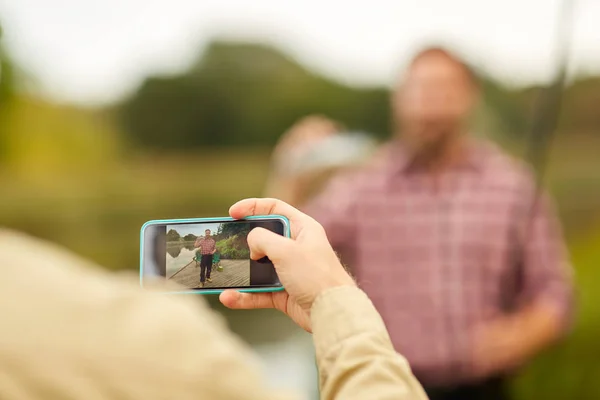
column 207, row 248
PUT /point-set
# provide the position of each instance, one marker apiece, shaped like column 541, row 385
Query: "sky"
column 194, row 229
column 97, row 51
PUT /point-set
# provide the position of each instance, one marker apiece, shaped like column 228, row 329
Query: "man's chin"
column 425, row 141
column 427, row 147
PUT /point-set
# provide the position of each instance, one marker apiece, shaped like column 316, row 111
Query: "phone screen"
column 207, row 255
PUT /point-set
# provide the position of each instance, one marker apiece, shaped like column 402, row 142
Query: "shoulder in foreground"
column 36, row 270
column 16, row 245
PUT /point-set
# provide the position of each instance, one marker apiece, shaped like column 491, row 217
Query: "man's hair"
column 439, row 51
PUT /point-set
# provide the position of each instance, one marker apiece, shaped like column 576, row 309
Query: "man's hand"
column 306, row 264
column 298, row 139
column 303, row 134
column 498, row 347
column 510, row 341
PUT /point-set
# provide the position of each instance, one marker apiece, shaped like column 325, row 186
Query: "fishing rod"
column 544, row 125
column 548, row 105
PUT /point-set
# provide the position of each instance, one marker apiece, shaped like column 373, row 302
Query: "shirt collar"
column 399, row 160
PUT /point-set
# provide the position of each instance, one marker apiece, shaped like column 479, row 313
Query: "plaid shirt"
column 207, row 246
column 436, row 257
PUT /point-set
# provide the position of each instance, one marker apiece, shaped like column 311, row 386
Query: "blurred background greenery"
column 87, row 177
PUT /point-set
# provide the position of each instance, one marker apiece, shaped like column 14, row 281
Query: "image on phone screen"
column 208, row 255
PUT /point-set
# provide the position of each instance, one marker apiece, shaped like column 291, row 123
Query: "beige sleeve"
column 354, row 352
column 185, row 351
column 73, row 331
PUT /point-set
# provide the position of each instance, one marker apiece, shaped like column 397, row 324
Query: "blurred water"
column 184, row 256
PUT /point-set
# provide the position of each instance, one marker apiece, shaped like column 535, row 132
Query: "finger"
column 254, row 206
column 316, row 129
column 318, row 120
column 295, row 133
column 246, row 301
column 263, row 242
column 306, row 126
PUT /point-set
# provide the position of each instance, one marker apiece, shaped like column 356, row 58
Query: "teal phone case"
column 286, row 232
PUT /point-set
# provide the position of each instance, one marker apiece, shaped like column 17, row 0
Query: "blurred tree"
column 242, row 94
column 248, row 94
column 506, row 107
column 190, row 237
column 174, row 251
column 44, row 139
column 232, row 229
column 6, row 94
column 173, row 236
column 6, row 76
column 580, row 107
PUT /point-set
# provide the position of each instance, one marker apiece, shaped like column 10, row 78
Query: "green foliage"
column 245, row 94
column 580, row 107
column 39, row 138
column 234, row 229
column 234, row 247
column 173, row 236
column 7, row 78
column 239, row 95
column 43, row 140
column 190, row 237
column 7, row 83
column 510, row 112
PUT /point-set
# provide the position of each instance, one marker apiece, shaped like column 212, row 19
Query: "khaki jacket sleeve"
column 72, row 331
column 354, row 352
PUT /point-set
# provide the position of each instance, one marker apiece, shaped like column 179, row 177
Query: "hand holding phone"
column 305, row 263
column 208, row 255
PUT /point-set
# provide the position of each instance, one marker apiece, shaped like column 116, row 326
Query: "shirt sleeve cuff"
column 341, row 313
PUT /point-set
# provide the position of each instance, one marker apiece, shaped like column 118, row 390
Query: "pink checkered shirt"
column 207, row 246
column 436, row 260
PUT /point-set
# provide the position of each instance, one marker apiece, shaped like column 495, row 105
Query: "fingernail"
column 235, row 295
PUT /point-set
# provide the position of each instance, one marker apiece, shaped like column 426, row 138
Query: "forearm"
column 548, row 281
column 355, row 356
column 541, row 324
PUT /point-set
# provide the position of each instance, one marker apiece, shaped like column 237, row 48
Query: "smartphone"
column 208, row 255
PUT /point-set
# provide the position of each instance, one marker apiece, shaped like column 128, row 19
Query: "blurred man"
column 208, row 248
column 431, row 230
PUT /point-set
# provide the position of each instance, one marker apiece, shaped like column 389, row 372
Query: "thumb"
column 263, row 242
